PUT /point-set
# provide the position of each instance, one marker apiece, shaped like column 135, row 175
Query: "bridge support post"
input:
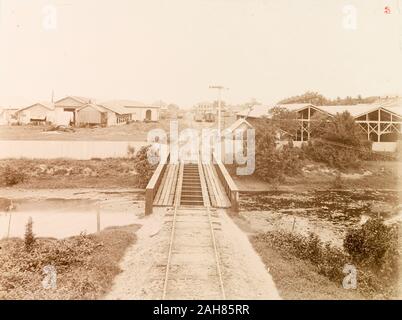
column 234, row 200
column 149, row 201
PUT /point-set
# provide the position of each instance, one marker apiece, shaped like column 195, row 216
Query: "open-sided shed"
column 381, row 123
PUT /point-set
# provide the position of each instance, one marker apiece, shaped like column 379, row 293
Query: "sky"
column 174, row 50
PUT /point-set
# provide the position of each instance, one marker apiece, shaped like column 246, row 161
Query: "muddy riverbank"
column 328, row 213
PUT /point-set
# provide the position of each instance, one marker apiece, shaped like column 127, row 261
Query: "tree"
column 29, row 237
column 319, row 100
column 273, row 163
column 341, row 128
column 308, row 97
column 284, row 119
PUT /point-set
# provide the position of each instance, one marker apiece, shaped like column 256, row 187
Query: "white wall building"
column 7, row 116
column 38, row 113
column 138, row 110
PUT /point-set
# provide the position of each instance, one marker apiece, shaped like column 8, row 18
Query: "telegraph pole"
column 219, row 88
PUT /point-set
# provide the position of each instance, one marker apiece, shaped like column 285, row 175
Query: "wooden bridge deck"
column 167, row 189
column 216, row 192
column 166, row 192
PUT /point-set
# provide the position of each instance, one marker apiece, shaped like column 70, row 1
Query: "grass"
column 385, row 175
column 135, row 131
column 86, row 265
column 297, row 279
column 63, row 173
column 372, row 248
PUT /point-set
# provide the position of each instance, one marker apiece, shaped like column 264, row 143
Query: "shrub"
column 130, row 151
column 374, row 245
column 11, row 177
column 338, row 182
column 373, row 249
column 337, row 141
column 86, row 265
column 142, row 165
column 272, row 163
column 335, row 156
column 328, row 260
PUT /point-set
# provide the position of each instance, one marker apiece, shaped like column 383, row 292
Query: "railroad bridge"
column 199, row 184
column 194, row 191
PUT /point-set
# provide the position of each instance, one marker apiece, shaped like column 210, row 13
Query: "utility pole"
column 219, row 88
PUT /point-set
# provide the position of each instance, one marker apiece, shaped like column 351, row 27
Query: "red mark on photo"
column 387, row 10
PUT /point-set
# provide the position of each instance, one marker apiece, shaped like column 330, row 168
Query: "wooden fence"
column 154, row 183
column 230, row 186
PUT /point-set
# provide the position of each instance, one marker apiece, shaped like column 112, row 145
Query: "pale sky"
column 174, row 49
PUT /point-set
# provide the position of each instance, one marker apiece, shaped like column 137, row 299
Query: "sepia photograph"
column 200, row 150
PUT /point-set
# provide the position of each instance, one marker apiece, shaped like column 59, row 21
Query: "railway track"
column 193, row 268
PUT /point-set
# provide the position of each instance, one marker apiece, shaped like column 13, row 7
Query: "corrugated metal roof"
column 2, row 109
column 115, row 108
column 83, row 100
column 359, row 109
column 294, row 106
column 91, row 105
column 235, row 125
column 102, row 108
column 395, row 109
column 47, row 105
column 355, row 110
column 118, row 104
column 260, row 111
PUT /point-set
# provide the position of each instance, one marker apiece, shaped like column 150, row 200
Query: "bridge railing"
column 153, row 185
column 230, row 186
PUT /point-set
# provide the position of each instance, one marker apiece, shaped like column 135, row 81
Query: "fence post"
column 98, row 217
column 9, row 225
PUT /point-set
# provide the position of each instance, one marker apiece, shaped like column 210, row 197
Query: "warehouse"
column 8, row 116
column 381, row 123
column 38, row 113
column 138, row 111
column 69, row 105
column 93, row 114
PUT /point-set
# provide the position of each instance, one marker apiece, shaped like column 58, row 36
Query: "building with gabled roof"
column 70, row 104
column 7, row 115
column 96, row 114
column 240, row 125
column 139, row 111
column 382, row 123
column 37, row 113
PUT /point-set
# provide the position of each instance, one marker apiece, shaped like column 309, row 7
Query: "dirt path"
column 243, row 273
